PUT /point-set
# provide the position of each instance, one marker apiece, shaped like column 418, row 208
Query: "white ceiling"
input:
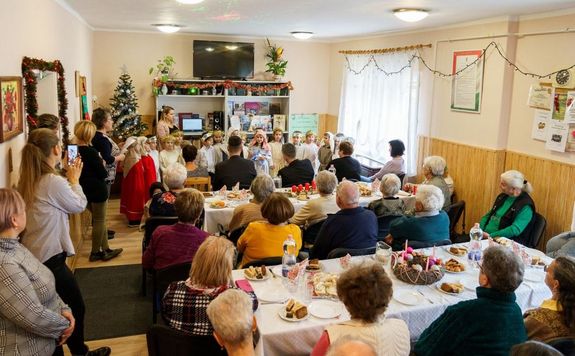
column 328, row 19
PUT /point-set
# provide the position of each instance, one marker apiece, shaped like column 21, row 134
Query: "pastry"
column 452, row 287
column 458, row 251
column 453, row 265
column 313, row 265
column 250, row 272
column 325, row 284
column 256, row 272
column 295, row 310
column 218, row 204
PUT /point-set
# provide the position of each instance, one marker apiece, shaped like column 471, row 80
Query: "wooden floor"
column 130, row 239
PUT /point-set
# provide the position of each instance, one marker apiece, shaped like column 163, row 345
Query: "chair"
column 309, row 234
column 340, row 252
column 151, row 224
column 455, row 211
column 203, row 184
column 165, row 341
column 401, row 176
column 537, row 230
column 423, row 244
column 268, row 261
column 163, row 278
column 383, row 223
column 234, row 235
column 565, row 345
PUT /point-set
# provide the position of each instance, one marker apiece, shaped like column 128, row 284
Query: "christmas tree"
column 127, row 121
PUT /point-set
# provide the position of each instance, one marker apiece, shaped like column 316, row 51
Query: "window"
column 378, row 106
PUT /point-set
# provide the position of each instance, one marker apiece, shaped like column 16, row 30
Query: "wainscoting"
column 475, row 172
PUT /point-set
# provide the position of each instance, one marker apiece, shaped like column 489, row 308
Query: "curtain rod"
column 385, row 50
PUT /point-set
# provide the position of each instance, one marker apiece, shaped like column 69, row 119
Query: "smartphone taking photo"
column 72, row 154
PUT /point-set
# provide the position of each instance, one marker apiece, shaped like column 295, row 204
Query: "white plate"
column 451, row 253
column 409, row 298
column 267, row 276
column 282, row 314
column 273, row 296
column 438, row 286
column 534, row 275
column 324, row 309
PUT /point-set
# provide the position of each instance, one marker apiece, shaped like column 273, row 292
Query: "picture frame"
column 467, row 81
column 11, row 108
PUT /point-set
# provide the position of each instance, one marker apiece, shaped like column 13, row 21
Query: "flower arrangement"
column 163, row 68
column 275, row 64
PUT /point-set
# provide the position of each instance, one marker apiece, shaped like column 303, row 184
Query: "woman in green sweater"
column 488, row 325
column 513, row 212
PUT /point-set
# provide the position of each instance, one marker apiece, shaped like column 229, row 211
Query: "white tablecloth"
column 279, row 337
column 223, row 216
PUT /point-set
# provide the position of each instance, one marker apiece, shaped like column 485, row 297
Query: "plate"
column 282, row 314
column 267, row 276
column 453, row 254
column 324, row 309
column 273, row 296
column 533, row 276
column 438, row 286
column 214, row 206
column 409, row 298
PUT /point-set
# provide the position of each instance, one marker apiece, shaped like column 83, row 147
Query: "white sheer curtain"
column 377, row 108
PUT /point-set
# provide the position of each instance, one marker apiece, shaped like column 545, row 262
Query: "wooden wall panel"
column 326, row 123
column 553, row 189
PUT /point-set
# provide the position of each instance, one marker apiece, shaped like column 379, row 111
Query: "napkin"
column 223, row 190
column 236, row 187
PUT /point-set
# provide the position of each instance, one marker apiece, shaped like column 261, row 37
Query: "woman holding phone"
column 49, row 198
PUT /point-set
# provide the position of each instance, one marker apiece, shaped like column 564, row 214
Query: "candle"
column 313, row 186
column 299, row 188
column 307, row 187
column 405, row 246
column 294, row 188
column 427, row 265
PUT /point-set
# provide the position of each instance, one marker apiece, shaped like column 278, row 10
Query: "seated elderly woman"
column 513, row 212
column 178, row 243
column 163, row 204
column 317, row 209
column 429, row 226
column 366, row 291
column 262, row 186
column 556, row 316
column 488, row 325
column 33, row 318
column 185, row 302
column 389, row 204
column 233, row 321
column 433, row 170
column 264, row 239
column 190, row 153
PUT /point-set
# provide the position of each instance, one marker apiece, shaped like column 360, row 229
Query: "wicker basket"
column 405, row 272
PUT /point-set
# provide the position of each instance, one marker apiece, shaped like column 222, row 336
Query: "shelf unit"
column 224, row 99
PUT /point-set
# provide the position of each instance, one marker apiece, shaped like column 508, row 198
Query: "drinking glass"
column 382, row 252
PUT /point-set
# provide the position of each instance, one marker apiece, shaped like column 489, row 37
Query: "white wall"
column 45, row 30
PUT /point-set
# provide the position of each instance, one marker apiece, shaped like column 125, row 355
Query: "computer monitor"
column 190, row 126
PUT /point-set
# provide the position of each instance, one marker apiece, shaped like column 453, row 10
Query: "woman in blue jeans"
column 561, row 245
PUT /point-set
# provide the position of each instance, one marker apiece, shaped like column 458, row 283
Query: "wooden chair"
column 203, row 184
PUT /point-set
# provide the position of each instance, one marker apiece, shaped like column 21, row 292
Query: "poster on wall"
column 466, row 87
column 303, row 122
column 559, row 106
column 557, row 136
column 570, row 147
column 541, row 119
column 540, row 97
column 11, row 107
column 570, row 108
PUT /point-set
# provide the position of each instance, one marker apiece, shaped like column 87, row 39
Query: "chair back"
column 340, row 252
column 165, row 341
column 234, row 235
column 455, row 211
column 162, row 278
column 537, row 230
column 152, row 223
column 565, row 345
column 309, row 234
column 401, row 176
column 268, row 261
column 203, row 184
column 383, row 223
column 423, row 244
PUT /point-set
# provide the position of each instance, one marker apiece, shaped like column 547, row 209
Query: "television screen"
column 223, row 60
column 192, row 125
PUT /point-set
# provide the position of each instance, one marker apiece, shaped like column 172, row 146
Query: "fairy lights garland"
column 227, row 84
column 31, row 88
column 447, row 75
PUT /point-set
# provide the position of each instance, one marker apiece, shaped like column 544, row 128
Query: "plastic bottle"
column 475, row 234
column 289, row 256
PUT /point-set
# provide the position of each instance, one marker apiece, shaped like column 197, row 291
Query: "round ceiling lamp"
column 302, row 35
column 189, row 2
column 410, row 15
column 167, row 28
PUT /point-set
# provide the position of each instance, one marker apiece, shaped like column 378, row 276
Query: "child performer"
column 260, row 152
column 310, row 150
column 219, row 145
column 169, row 154
column 326, row 151
column 152, row 143
column 207, row 154
column 277, row 156
column 296, row 137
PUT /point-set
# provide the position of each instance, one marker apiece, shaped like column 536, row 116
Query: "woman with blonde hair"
column 169, row 154
column 166, row 123
column 49, row 198
column 185, row 302
column 278, row 161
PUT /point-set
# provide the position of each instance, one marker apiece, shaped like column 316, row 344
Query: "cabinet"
column 204, row 97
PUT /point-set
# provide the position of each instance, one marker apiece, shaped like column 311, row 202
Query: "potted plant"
column 275, row 65
column 163, row 68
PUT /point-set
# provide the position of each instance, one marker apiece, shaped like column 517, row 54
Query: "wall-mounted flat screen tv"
column 223, row 60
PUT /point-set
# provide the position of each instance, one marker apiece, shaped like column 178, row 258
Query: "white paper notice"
column 540, row 97
column 570, row 108
column 235, row 122
column 540, row 121
column 557, row 136
column 466, row 87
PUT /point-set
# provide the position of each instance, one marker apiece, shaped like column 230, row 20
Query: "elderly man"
column 235, row 169
column 317, row 209
column 429, row 226
column 352, row 227
column 488, row 325
column 297, row 171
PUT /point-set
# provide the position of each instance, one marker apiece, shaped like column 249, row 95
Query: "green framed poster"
column 303, row 123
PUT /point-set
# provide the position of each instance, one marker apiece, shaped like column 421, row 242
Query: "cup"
column 382, row 252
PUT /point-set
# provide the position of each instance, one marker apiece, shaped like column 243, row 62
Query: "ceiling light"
column 232, row 47
column 410, row 15
column 302, row 35
column 167, row 28
column 189, row 2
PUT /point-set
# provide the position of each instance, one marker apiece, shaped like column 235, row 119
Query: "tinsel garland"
column 31, row 88
column 227, row 84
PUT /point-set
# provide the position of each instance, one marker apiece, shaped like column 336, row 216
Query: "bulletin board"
column 304, row 123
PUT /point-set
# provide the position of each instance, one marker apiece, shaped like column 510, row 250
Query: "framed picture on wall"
column 11, row 107
column 467, row 81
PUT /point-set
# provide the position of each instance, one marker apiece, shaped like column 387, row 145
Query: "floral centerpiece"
column 275, row 65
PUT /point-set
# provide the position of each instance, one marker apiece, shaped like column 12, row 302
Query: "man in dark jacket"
column 297, row 171
column 235, row 169
column 346, row 166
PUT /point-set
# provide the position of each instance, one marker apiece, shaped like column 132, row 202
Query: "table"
column 279, row 337
column 222, row 216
